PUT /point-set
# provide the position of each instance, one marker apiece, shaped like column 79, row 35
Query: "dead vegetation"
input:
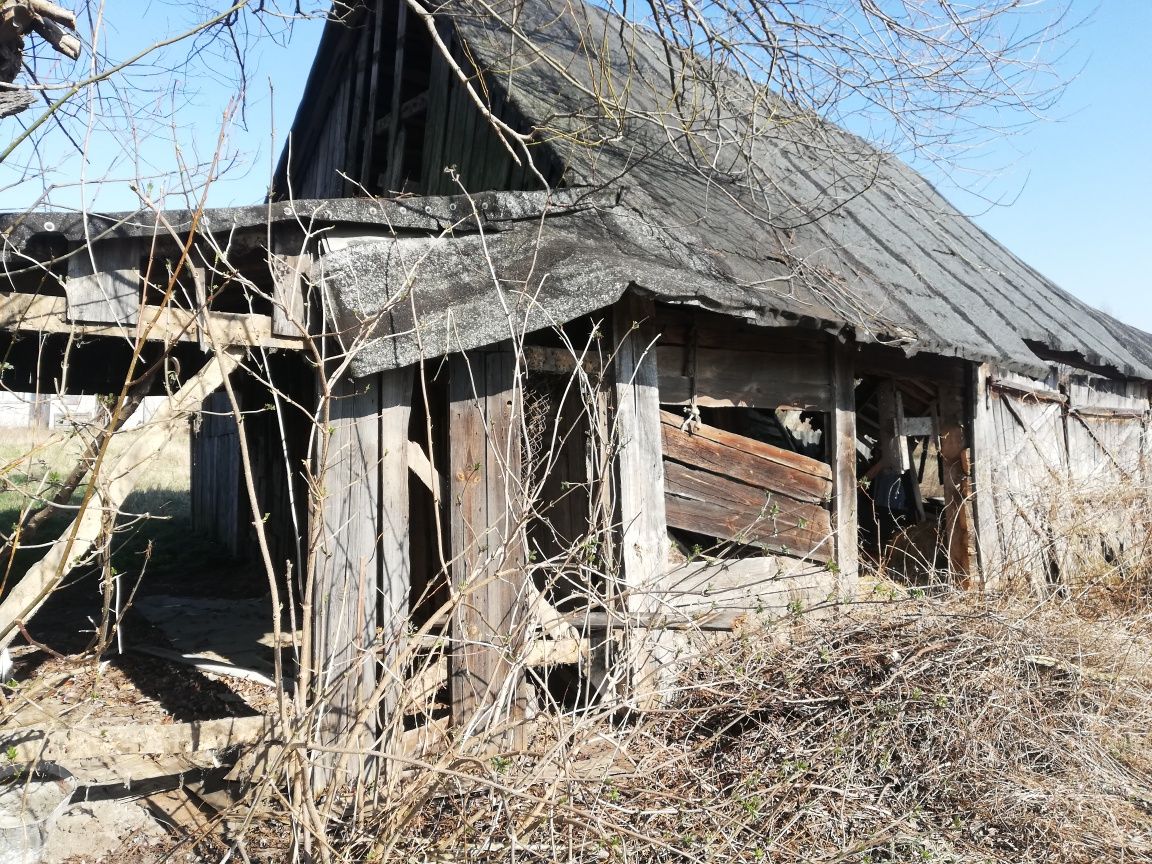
column 925, row 730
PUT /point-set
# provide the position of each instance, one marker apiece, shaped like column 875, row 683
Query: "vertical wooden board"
column 643, row 558
column 347, row 574
column 842, row 451
column 368, row 126
column 290, row 263
column 103, row 285
column 486, row 542
column 438, row 89
column 394, row 518
column 983, row 425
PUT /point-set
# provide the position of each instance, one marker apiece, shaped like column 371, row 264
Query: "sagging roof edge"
column 495, row 211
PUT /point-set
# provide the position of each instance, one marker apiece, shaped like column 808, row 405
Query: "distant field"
column 33, row 462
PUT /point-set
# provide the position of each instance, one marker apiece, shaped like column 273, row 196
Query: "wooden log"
column 487, row 544
column 719, row 507
column 745, row 459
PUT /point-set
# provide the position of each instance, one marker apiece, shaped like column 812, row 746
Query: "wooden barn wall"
column 719, row 483
column 384, row 109
column 215, row 474
column 1067, row 463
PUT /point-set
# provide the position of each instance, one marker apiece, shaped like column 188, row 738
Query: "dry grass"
column 33, row 462
column 924, row 730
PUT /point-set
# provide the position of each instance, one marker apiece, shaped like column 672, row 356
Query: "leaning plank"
column 716, row 506
column 747, row 460
column 112, row 486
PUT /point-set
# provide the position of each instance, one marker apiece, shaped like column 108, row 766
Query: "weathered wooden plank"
column 487, row 549
column 395, row 146
column 291, row 265
column 988, row 548
column 718, row 507
column 746, row 459
column 347, row 576
column 682, row 327
column 394, row 511
column 639, row 480
column 743, row 379
column 720, row 595
column 40, row 314
column 103, row 285
column 842, row 450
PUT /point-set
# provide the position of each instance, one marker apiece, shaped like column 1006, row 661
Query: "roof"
column 818, row 227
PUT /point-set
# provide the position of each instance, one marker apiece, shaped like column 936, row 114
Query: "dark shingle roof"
column 817, row 225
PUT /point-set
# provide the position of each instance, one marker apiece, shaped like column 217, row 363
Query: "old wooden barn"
column 514, row 408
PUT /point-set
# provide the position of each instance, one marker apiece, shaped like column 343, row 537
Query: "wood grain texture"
column 639, row 483
column 842, row 452
column 347, row 576
column 709, row 504
column 752, row 379
column 746, row 459
column 487, row 547
column 104, row 285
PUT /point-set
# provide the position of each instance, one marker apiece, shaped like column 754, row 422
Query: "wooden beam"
column 842, row 451
column 393, row 512
column 643, row 557
column 746, row 459
column 717, row 506
column 723, row 595
column 32, row 313
column 725, row 378
column 983, row 443
column 347, row 578
column 487, row 543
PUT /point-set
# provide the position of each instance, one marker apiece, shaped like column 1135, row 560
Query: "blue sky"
column 1073, row 189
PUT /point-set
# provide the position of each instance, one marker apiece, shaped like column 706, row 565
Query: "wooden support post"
column 394, row 514
column 842, row 451
column 487, row 544
column 643, row 554
column 347, row 578
column 956, row 458
column 983, row 456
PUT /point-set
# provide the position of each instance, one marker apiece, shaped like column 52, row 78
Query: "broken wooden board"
column 734, row 488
